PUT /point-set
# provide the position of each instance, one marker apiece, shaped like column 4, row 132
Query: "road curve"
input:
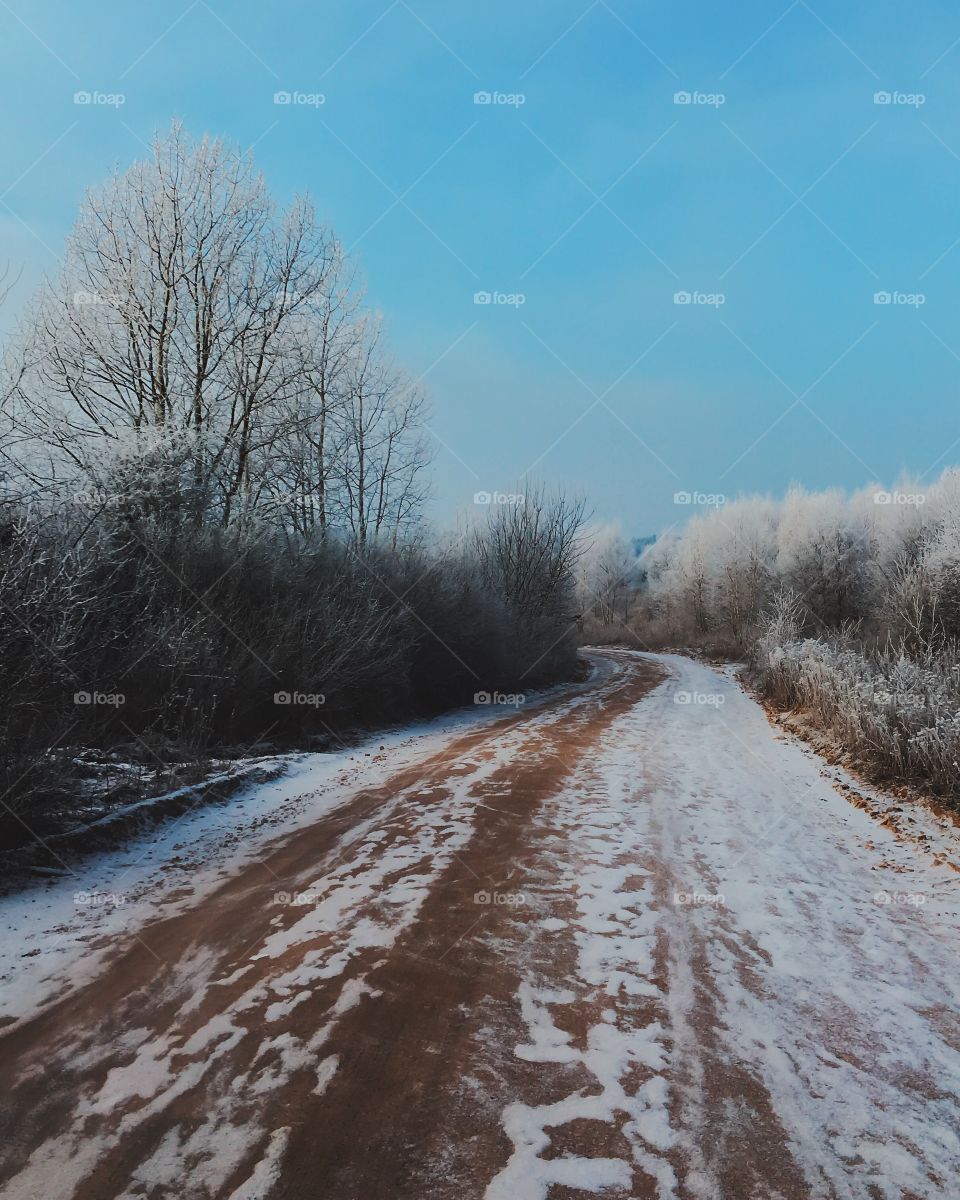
column 632, row 943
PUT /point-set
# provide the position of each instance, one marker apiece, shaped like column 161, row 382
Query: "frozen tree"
column 824, row 554
column 302, row 475
column 887, row 559
column 608, row 575
column 380, row 488
column 222, row 345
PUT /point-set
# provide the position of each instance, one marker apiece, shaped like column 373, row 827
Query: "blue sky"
column 597, row 199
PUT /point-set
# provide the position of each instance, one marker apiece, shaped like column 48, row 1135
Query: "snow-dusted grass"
column 900, row 717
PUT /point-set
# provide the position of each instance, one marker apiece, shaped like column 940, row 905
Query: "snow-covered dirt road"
column 631, row 943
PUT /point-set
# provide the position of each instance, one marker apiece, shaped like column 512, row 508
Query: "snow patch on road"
column 597, row 828
column 326, row 1069
column 267, row 1171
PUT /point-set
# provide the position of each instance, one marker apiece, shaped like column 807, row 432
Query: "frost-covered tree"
column 209, row 354
column 888, row 559
column 608, row 575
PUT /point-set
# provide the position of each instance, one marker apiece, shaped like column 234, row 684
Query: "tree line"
column 213, row 481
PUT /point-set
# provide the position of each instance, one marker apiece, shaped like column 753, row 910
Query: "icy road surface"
column 632, row 943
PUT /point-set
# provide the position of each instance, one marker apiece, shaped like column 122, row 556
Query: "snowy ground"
column 820, row 946
column 57, row 934
column 635, row 943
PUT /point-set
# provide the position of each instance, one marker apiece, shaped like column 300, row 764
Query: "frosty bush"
column 200, row 630
column 899, row 715
column 848, row 606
